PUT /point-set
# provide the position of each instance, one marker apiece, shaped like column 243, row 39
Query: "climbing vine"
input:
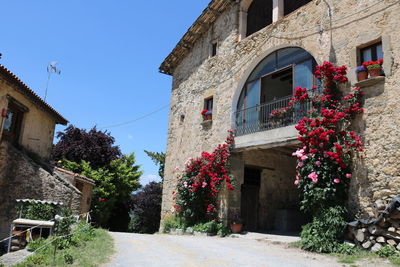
column 324, row 158
column 201, row 181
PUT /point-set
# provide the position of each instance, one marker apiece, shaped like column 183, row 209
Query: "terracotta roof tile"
column 75, row 175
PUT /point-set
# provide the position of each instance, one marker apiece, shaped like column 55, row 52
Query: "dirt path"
column 188, row 251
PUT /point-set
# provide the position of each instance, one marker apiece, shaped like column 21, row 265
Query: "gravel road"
column 191, row 251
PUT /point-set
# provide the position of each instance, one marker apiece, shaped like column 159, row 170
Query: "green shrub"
column 35, row 244
column 174, row 222
column 386, row 252
column 208, row 227
column 68, row 258
column 223, row 230
column 324, row 232
column 38, row 211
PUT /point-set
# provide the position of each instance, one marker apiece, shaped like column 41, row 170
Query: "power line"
column 134, row 120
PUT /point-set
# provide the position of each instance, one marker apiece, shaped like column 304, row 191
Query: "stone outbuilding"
column 27, row 125
column 242, row 59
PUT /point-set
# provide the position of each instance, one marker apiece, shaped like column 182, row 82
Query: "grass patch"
column 361, row 255
column 296, row 244
column 395, row 260
column 88, row 250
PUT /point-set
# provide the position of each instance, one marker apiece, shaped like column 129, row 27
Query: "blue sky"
column 109, row 53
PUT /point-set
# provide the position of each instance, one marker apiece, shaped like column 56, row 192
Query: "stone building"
column 27, row 125
column 242, row 59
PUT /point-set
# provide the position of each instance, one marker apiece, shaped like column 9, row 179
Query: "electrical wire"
column 333, row 21
column 134, row 120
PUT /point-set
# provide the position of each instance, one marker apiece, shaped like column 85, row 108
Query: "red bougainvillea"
column 324, row 159
column 201, row 181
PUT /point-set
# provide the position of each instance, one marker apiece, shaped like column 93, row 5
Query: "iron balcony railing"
column 259, row 118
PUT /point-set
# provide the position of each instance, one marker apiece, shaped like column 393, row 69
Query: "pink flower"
column 304, row 157
column 318, row 163
column 313, row 176
column 336, row 180
column 348, row 175
column 300, row 164
column 299, row 153
column 296, row 182
column 185, row 184
column 204, row 184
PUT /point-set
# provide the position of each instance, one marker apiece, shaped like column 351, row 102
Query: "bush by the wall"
column 324, row 232
column 146, row 209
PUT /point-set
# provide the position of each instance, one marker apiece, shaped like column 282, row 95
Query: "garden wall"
column 21, row 178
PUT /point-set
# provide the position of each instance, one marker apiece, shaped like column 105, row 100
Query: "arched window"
column 259, row 15
column 271, row 85
column 291, row 5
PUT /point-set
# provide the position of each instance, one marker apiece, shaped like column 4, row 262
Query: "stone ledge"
column 370, row 82
column 206, row 124
column 372, row 87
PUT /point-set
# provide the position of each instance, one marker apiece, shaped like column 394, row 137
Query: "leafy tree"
column 146, row 209
column 159, row 159
column 114, row 185
column 95, row 146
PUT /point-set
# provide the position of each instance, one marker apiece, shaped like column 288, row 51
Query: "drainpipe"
column 332, row 53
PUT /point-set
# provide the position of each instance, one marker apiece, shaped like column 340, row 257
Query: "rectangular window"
column 372, row 52
column 214, row 49
column 208, row 104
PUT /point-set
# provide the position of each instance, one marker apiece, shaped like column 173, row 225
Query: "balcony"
column 258, row 118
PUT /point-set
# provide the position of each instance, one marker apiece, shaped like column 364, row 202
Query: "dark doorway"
column 250, row 197
column 12, row 124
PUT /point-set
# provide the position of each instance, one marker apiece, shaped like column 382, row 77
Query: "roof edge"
column 25, row 90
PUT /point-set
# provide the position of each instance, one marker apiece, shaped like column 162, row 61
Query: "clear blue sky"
column 109, row 53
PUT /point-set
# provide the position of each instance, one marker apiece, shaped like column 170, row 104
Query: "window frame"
column 373, row 48
column 214, row 48
column 207, row 101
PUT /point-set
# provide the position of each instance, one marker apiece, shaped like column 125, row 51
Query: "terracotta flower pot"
column 375, row 72
column 236, row 227
column 362, row 75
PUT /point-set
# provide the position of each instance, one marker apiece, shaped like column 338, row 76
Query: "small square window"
column 208, row 104
column 214, row 49
column 371, row 53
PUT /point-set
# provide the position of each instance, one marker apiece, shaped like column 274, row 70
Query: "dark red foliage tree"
column 95, row 146
column 146, row 209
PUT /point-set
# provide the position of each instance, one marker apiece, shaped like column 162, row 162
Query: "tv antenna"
column 51, row 68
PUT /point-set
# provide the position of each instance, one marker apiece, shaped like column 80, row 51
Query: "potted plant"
column 374, row 67
column 203, row 113
column 362, row 73
column 236, row 223
column 207, row 114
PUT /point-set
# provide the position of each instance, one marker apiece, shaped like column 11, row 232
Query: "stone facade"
column 355, row 24
column 83, row 184
column 21, row 178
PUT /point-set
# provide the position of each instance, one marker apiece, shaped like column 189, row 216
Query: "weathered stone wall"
column 377, row 169
column 38, row 126
column 21, row 178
